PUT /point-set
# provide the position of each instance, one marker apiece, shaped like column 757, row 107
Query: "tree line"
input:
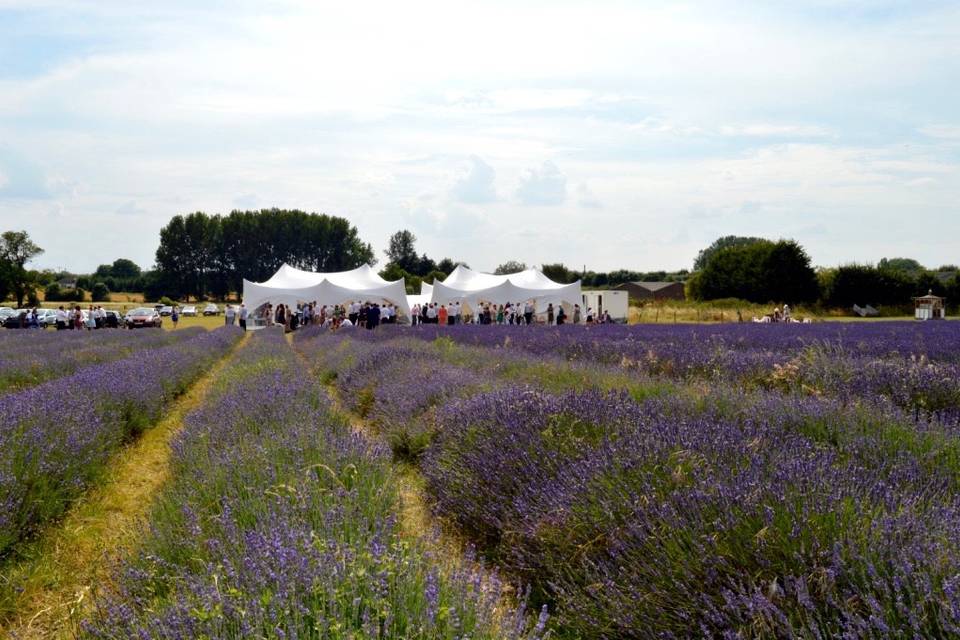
column 765, row 271
column 203, row 255
column 208, row 256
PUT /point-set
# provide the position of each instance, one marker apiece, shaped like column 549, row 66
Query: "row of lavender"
column 29, row 358
column 913, row 366
column 280, row 522
column 740, row 514
column 56, row 437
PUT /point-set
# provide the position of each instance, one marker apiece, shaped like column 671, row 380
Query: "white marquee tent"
column 471, row 287
column 290, row 286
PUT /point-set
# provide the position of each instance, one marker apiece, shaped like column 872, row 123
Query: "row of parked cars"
column 139, row 317
column 10, row 318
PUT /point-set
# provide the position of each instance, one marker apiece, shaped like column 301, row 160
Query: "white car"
column 47, row 317
column 6, row 312
column 211, row 310
column 189, row 310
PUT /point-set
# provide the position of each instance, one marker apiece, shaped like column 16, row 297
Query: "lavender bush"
column 28, row 358
column 280, row 522
column 56, row 437
column 682, row 519
column 916, row 366
column 393, row 384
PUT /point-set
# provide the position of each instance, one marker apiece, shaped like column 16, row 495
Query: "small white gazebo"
column 929, row 307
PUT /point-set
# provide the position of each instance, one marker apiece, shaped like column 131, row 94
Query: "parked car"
column 113, row 319
column 47, row 317
column 166, row 310
column 189, row 310
column 6, row 312
column 13, row 321
column 143, row 317
column 211, row 310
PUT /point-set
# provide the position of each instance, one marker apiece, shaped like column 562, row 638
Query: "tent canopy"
column 291, row 286
column 472, row 287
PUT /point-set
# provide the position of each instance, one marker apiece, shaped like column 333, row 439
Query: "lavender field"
column 736, row 481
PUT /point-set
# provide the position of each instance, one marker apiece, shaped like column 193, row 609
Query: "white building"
column 616, row 303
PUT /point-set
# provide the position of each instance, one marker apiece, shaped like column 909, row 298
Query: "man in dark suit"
column 373, row 316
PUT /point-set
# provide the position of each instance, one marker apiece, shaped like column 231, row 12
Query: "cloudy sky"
column 605, row 134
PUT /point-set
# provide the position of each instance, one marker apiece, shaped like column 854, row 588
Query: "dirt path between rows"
column 75, row 557
column 415, row 517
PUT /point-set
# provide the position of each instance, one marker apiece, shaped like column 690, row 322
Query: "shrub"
column 100, row 293
column 53, row 292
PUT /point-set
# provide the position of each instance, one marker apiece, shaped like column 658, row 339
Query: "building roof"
column 654, row 286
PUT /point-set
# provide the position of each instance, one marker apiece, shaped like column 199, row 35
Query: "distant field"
column 207, row 322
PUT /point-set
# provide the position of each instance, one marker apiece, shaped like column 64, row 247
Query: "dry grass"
column 73, row 559
column 207, row 322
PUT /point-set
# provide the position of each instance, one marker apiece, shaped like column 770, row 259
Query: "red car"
column 143, row 317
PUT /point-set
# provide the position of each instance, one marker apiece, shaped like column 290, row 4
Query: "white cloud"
column 130, row 208
column 945, row 131
column 769, row 129
column 543, row 186
column 476, row 185
column 586, row 197
column 361, row 110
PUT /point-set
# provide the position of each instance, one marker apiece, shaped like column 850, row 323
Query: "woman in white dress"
column 91, row 319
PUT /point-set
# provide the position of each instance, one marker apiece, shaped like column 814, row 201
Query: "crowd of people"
column 370, row 315
column 520, row 313
column 367, row 315
column 779, row 314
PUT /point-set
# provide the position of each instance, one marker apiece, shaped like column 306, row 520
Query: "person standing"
column 175, row 316
column 576, row 314
column 528, row 313
column 561, row 315
column 442, row 314
column 229, row 314
column 61, row 318
column 243, row 317
column 550, row 313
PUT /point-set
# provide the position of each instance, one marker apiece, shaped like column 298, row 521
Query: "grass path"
column 74, row 557
column 415, row 518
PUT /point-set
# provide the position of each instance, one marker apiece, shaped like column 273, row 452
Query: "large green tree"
column 559, row 273
column 510, row 266
column 402, row 251
column 859, row 284
column 722, row 243
column 906, row 265
column 761, row 272
column 16, row 250
column 202, row 255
